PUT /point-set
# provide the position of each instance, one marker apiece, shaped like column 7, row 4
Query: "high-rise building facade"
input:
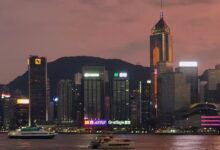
column 65, row 102
column 77, row 99
column 120, row 103
column 21, row 112
column 211, row 78
column 37, row 75
column 190, row 71
column 141, row 105
column 94, row 92
column 161, row 52
column 174, row 94
column 6, row 102
column 160, row 44
column 145, row 103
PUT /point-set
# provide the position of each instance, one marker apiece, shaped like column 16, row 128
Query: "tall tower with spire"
column 161, row 44
column 161, row 55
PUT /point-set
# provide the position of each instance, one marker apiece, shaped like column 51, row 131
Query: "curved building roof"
column 199, row 109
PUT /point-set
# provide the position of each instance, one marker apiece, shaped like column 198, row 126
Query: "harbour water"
column 142, row 142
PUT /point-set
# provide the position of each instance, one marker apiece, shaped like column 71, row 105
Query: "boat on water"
column 110, row 142
column 31, row 133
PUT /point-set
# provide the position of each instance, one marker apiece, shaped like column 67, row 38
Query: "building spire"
column 161, row 8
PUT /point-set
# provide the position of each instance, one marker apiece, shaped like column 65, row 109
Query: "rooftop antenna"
column 161, row 7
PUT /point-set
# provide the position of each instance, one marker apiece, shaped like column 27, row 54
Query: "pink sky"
column 104, row 28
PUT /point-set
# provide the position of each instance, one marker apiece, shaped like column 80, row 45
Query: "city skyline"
column 121, row 29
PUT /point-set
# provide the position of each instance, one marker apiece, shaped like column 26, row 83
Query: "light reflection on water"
column 23, row 144
column 142, row 142
column 196, row 142
column 188, row 142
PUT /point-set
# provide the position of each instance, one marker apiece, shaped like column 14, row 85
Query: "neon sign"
column 188, row 64
column 37, row 61
column 210, row 121
column 22, row 101
column 116, row 74
column 120, row 74
column 123, row 75
column 149, row 81
column 119, row 122
column 95, row 122
column 210, row 117
column 91, row 75
column 5, row 95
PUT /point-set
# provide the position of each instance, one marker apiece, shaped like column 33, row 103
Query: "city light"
column 116, row 74
column 37, row 61
column 119, row 122
column 149, row 81
column 123, row 75
column 91, row 75
column 5, row 95
column 188, row 64
column 210, row 117
column 95, row 122
column 120, row 74
column 55, row 99
column 211, row 124
column 155, row 71
column 22, row 101
column 210, row 120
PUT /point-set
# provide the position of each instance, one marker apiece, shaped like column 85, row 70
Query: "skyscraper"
column 65, row 103
column 173, row 94
column 77, row 99
column 145, row 105
column 190, row 71
column 21, row 111
column 94, row 93
column 161, row 52
column 6, row 107
column 37, row 74
column 212, row 79
column 120, row 104
column 140, row 105
column 161, row 44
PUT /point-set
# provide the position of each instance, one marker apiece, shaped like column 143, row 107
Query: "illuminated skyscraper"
column 190, row 71
column 161, row 52
column 6, row 107
column 160, row 44
column 140, row 105
column 120, row 104
column 21, row 112
column 94, row 92
column 37, row 71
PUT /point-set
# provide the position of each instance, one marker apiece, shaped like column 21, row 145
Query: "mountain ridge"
column 66, row 67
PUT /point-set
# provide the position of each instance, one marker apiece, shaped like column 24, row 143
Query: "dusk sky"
column 104, row 28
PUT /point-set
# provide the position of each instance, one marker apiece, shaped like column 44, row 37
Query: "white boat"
column 109, row 142
column 31, row 133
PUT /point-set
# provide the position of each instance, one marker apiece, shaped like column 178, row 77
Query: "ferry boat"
column 31, row 133
column 109, row 142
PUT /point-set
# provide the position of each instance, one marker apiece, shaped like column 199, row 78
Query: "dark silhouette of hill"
column 66, row 67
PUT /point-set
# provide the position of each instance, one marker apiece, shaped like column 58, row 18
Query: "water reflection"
column 142, row 142
column 188, row 142
column 23, row 144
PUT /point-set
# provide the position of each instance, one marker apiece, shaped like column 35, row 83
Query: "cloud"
column 131, row 48
column 172, row 3
column 104, row 28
